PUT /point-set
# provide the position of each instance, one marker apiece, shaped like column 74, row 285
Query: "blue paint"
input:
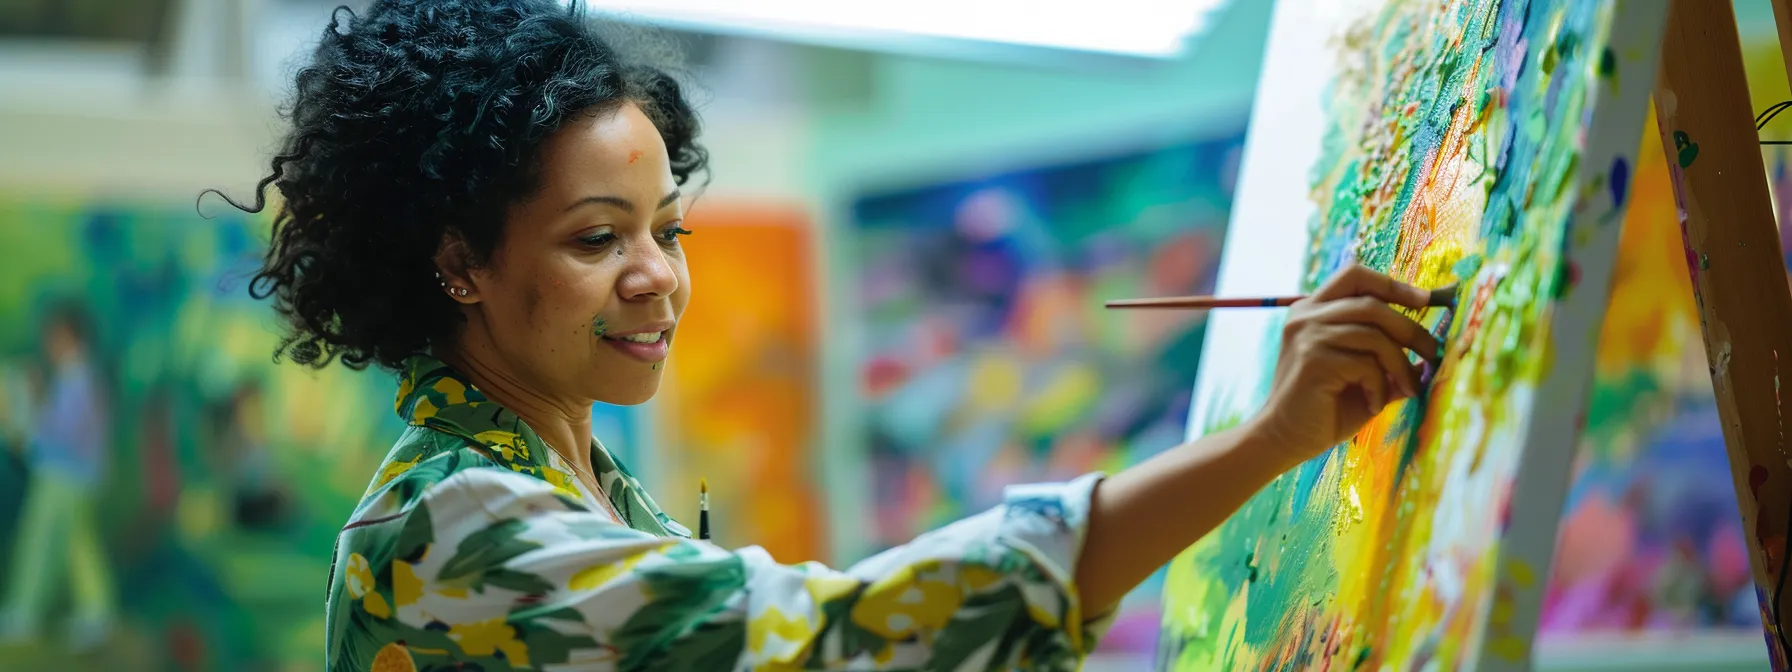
column 1620, row 181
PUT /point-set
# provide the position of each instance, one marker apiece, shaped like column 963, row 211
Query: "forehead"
column 615, row 151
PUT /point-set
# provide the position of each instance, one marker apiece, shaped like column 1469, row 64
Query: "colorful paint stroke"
column 1479, row 141
column 739, row 404
column 990, row 360
column 1650, row 539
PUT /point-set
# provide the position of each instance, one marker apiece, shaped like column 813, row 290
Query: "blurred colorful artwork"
column 169, row 495
column 989, row 359
column 1651, row 540
column 738, row 405
column 1483, row 141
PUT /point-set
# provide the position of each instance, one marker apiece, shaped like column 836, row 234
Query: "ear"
column 454, row 268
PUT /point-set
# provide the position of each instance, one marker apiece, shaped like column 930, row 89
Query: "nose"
column 647, row 273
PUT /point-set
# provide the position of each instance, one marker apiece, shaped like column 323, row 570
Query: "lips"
column 647, row 343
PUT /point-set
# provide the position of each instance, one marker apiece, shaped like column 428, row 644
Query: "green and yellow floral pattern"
column 474, row 548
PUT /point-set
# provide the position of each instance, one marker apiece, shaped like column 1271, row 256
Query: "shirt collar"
column 433, row 395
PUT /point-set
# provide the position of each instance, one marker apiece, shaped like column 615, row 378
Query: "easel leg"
column 1739, row 278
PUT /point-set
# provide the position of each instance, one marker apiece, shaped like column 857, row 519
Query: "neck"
column 565, row 424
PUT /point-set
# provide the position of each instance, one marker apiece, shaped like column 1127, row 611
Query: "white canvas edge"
column 1254, row 259
column 1558, row 412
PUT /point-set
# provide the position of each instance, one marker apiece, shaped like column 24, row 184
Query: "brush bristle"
column 703, row 485
column 1444, row 297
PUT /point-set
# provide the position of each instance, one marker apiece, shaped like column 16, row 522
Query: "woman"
column 485, row 197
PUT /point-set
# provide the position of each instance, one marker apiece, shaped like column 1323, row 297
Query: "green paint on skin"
column 1704, row 262
column 598, row 328
column 656, row 365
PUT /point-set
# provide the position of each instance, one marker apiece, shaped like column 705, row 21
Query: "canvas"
column 738, row 405
column 989, row 359
column 1479, row 141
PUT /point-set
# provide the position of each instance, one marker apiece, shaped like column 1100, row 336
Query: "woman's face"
column 583, row 294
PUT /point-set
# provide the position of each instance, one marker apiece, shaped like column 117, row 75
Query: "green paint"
column 1608, row 64
column 1362, row 657
column 598, row 328
column 1467, row 267
column 1685, row 149
column 1704, row 262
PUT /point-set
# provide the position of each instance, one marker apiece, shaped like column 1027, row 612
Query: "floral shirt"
column 475, row 548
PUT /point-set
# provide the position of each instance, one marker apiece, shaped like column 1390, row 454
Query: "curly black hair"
column 416, row 118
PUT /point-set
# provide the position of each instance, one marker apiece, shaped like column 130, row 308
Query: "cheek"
column 682, row 296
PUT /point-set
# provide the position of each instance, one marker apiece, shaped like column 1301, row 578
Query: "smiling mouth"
column 646, row 346
column 646, row 337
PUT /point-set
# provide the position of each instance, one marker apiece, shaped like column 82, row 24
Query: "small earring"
column 462, row 291
column 439, row 279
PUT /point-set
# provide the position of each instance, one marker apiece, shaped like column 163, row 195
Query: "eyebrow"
column 620, row 203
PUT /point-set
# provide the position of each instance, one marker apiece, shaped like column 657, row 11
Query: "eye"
column 597, row 240
column 671, row 235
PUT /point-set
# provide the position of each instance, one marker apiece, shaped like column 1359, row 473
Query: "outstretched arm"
column 1343, row 358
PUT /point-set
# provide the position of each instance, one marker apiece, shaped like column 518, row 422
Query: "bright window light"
column 1152, row 28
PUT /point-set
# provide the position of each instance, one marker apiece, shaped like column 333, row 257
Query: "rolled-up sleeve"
column 491, row 565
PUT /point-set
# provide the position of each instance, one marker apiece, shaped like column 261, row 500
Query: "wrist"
column 1266, row 444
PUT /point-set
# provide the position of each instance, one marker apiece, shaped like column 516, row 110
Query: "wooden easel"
column 1739, row 277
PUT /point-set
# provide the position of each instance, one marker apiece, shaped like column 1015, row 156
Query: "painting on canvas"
column 990, row 360
column 1484, row 142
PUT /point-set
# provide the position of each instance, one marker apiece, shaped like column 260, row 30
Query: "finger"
column 1370, row 341
column 1361, row 281
column 1361, row 371
column 1371, row 311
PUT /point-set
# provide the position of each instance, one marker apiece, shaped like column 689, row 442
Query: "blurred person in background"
column 486, row 197
column 58, row 544
column 240, row 450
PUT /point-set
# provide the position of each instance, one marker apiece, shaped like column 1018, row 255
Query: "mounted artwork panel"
column 989, row 359
column 739, row 404
column 1476, row 141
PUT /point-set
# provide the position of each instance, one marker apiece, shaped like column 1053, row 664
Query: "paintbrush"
column 702, row 508
column 1440, row 298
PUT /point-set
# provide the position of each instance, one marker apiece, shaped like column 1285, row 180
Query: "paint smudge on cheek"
column 634, row 156
column 598, row 328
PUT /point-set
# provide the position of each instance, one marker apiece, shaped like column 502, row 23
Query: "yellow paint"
column 1510, row 648
column 1522, row 574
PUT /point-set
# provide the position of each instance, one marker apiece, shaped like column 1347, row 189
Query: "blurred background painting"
column 739, row 403
column 991, row 361
column 1651, row 539
column 168, row 492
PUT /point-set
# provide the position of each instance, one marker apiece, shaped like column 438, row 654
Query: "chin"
column 631, row 395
